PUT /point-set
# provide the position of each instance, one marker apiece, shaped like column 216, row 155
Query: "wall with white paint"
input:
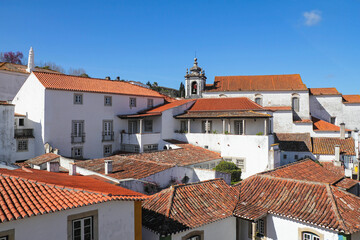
column 7, row 141
column 116, row 221
column 10, row 83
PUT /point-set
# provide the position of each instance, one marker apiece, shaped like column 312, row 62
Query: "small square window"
column 132, row 102
column 107, row 150
column 332, row 120
column 148, row 126
column 22, row 145
column 240, row 163
column 107, row 100
column 77, row 152
column 21, row 122
column 78, row 98
column 150, row 103
column 285, row 156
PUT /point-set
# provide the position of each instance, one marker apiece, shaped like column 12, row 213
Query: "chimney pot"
column 337, row 155
column 108, row 166
column 118, row 78
column 107, row 78
column 72, row 169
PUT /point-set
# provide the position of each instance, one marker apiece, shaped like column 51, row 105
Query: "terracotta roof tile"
column 74, row 182
column 316, row 203
column 321, row 125
column 324, row 91
column 189, row 206
column 223, row 114
column 279, row 108
column 298, row 142
column 83, row 84
column 346, row 183
column 224, row 104
column 258, row 83
column 47, row 157
column 351, row 98
column 326, row 146
column 21, row 197
column 19, row 115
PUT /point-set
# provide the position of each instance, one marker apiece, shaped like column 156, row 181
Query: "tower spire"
column 31, row 65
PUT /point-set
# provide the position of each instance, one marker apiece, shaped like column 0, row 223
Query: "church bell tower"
column 195, row 81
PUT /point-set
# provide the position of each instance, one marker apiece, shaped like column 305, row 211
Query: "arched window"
column 194, row 88
column 309, row 236
column 295, row 102
column 258, row 99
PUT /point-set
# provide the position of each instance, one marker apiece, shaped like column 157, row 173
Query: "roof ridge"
column 287, row 165
column 335, row 208
column 291, row 74
column 288, row 179
column 195, row 183
column 170, row 203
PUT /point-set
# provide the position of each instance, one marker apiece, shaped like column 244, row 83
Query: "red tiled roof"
column 47, row 157
column 339, row 170
column 321, row 125
column 62, row 180
column 326, row 146
column 224, row 104
column 6, row 103
column 83, row 84
column 307, row 170
column 324, row 91
column 19, row 115
column 346, row 183
column 303, row 121
column 316, row 203
column 279, row 108
column 189, row 206
column 21, row 197
column 223, row 114
column 351, row 98
column 288, row 82
column 12, row 67
column 297, row 142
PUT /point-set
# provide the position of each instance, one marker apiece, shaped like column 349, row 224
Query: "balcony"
column 78, row 138
column 107, row 136
column 24, row 133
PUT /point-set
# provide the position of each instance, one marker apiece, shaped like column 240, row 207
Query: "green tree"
column 230, row 167
column 182, row 90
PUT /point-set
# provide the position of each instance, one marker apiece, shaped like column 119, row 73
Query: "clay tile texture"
column 141, row 165
column 298, row 142
column 290, row 82
column 326, row 206
column 23, row 197
column 326, row 146
column 321, row 125
column 47, row 157
column 224, row 104
column 83, row 84
column 189, row 206
column 351, row 98
column 324, row 91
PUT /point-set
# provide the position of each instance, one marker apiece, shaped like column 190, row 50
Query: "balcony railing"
column 107, row 136
column 78, row 138
column 24, row 133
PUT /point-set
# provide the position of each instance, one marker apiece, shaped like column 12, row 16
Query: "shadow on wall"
column 318, row 108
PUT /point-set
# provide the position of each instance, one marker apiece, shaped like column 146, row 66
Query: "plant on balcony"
column 226, row 132
column 229, row 167
column 214, row 132
column 260, row 133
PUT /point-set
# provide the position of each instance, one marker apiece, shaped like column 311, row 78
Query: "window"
column 133, row 127
column 260, row 227
column 7, row 235
column 228, row 159
column 258, row 101
column 77, row 134
column 194, row 87
column 240, row 163
column 183, row 126
column 195, row 235
column 21, row 122
column 310, row 236
column 296, row 157
column 108, row 133
column 78, row 98
column 22, row 145
column 332, row 120
column 206, row 128
column 150, row 103
column 132, row 102
column 239, row 127
column 83, row 226
column 148, row 126
column 107, row 100
column 285, row 156
column 77, row 152
column 151, row 147
column 295, row 104
column 107, row 150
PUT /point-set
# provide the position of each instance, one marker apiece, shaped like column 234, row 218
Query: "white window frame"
column 206, row 128
column 239, row 127
column 132, row 102
column 133, row 126
column 241, row 163
column 82, row 217
column 78, row 98
column 107, row 150
column 148, row 125
column 107, row 100
column 77, row 152
column 295, row 102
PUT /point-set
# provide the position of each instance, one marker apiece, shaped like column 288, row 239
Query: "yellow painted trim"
column 137, row 220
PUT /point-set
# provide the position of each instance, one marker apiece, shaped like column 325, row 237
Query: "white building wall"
column 10, row 83
column 7, row 141
column 30, row 101
column 351, row 113
column 325, row 107
column 116, row 221
column 294, row 156
column 283, row 122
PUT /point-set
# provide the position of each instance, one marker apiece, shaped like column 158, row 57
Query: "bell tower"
column 195, row 81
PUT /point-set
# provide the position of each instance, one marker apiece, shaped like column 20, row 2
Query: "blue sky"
column 156, row 40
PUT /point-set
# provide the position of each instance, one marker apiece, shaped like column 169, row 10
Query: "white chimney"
column 337, row 156
column 31, row 64
column 53, row 166
column 356, row 140
column 342, row 130
column 72, row 169
column 108, row 166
